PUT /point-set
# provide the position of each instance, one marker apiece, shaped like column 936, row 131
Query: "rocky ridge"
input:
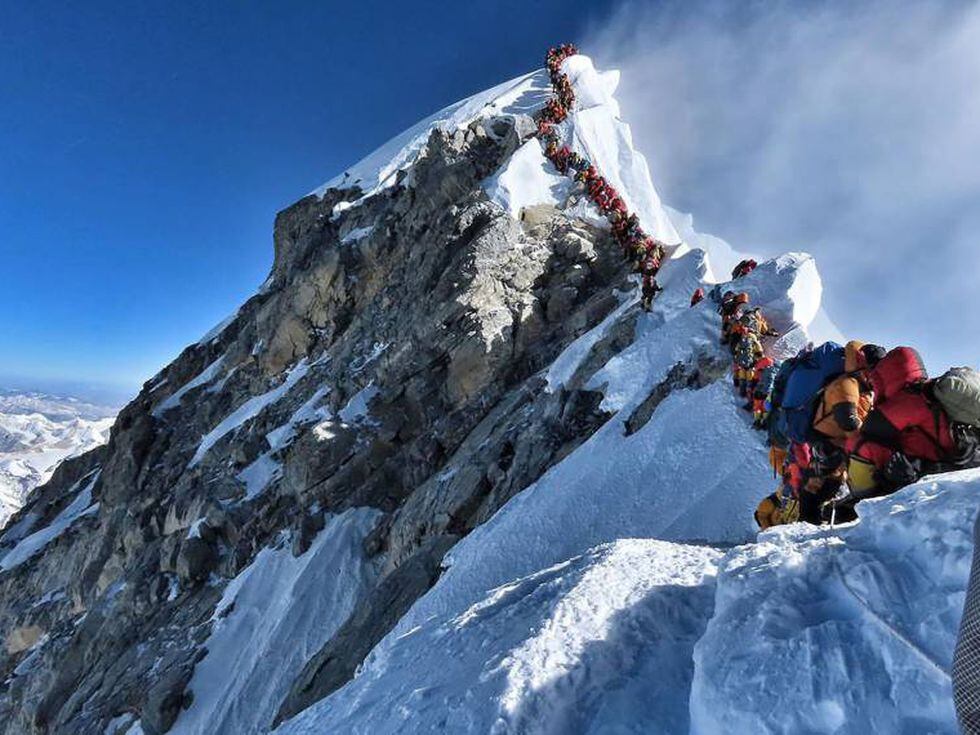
column 392, row 361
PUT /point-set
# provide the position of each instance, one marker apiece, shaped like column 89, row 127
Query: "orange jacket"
column 845, row 403
column 842, row 409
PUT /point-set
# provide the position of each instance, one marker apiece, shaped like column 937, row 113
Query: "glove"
column 901, row 470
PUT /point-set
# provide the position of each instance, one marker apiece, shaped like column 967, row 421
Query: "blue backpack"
column 799, row 382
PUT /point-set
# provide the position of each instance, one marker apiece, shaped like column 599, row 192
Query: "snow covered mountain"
column 37, row 431
column 441, row 474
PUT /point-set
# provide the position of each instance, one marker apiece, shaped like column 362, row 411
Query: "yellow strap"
column 790, row 512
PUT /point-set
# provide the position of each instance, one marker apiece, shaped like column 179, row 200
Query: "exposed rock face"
column 335, row 663
column 705, row 370
column 393, row 360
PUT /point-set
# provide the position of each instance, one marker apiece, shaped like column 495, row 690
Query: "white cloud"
column 849, row 130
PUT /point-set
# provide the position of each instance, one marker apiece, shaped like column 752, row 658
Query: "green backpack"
column 959, row 393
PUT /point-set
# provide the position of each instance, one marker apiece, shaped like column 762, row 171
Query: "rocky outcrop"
column 704, row 370
column 335, row 663
column 393, row 359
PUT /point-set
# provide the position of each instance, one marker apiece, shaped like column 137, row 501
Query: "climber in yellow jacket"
column 846, row 401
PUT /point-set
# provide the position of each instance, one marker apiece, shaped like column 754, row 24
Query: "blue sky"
column 146, row 148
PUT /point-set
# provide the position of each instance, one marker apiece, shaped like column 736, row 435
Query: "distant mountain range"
column 38, row 431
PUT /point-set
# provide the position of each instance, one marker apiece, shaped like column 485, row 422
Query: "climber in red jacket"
column 744, row 268
column 648, row 272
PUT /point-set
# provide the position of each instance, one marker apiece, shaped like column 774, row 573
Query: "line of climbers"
column 846, row 423
column 646, row 253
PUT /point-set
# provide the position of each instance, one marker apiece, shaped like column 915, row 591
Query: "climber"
column 744, row 268
column 650, row 290
column 763, row 380
column 826, row 480
column 900, row 438
column 595, row 186
column 649, row 270
column 783, row 505
column 754, row 321
column 633, row 229
column 730, row 310
column 617, row 205
column 799, row 381
column 845, row 402
column 918, row 426
column 638, row 254
column 561, row 159
column 589, row 175
column 617, row 219
column 796, row 382
column 601, row 200
column 812, row 475
column 697, row 297
column 748, row 351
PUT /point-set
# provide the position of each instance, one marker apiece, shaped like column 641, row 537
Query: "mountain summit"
column 442, row 474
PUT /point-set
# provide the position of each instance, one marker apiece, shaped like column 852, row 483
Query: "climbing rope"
column 887, row 626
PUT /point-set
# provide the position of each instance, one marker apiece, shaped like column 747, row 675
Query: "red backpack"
column 896, row 371
column 909, row 421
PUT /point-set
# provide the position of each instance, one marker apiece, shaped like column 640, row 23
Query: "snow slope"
column 378, row 170
column 625, row 590
column 556, row 651
column 850, row 630
column 272, row 618
column 811, row 630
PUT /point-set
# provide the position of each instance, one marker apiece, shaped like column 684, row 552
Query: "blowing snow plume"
column 848, row 131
